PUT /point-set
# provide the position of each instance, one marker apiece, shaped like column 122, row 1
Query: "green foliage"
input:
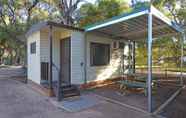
column 16, row 16
column 114, row 8
column 140, row 5
column 166, row 51
column 175, row 9
column 100, row 11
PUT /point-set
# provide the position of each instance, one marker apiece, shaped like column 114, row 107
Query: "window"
column 33, row 48
column 99, row 54
column 121, row 45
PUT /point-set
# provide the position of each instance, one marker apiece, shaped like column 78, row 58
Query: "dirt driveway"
column 17, row 100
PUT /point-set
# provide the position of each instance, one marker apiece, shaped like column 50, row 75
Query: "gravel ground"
column 137, row 98
column 17, row 100
column 177, row 108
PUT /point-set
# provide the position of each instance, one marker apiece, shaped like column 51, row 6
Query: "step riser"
column 70, row 91
column 70, row 95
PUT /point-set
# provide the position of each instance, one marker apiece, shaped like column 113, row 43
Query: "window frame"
column 33, row 48
column 92, row 46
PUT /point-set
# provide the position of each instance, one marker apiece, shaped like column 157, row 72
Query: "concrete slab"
column 79, row 103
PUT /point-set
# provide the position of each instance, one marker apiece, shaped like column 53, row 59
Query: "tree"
column 176, row 9
column 66, row 10
column 16, row 16
column 170, row 47
column 11, row 19
column 102, row 10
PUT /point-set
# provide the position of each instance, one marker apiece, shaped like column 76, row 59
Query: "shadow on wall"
column 114, row 69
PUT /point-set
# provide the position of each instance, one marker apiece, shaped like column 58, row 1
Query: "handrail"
column 58, row 82
column 58, row 69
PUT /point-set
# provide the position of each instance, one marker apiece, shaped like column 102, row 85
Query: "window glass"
column 100, row 54
column 33, row 48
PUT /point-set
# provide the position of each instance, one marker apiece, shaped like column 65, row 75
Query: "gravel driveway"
column 17, row 100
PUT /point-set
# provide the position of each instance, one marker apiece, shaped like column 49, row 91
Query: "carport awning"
column 134, row 26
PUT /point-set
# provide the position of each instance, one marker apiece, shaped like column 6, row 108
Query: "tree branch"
column 29, row 11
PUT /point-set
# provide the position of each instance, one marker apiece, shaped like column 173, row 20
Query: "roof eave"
column 40, row 25
column 64, row 26
column 155, row 12
column 35, row 28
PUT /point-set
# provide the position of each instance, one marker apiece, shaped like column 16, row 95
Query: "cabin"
column 77, row 58
column 64, row 58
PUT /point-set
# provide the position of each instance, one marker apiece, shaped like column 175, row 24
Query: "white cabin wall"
column 77, row 58
column 77, row 53
column 33, row 72
column 45, row 48
column 113, row 70
column 93, row 73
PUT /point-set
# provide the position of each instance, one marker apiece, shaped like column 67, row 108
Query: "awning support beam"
column 133, row 57
column 50, row 61
column 149, row 51
column 181, row 66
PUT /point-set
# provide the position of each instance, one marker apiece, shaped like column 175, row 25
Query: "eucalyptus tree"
column 175, row 9
column 66, row 10
column 16, row 17
column 170, row 47
column 101, row 10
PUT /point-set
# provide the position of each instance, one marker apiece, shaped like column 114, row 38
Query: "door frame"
column 61, row 64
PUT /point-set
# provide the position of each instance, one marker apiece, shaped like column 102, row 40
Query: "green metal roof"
column 133, row 11
column 144, row 9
